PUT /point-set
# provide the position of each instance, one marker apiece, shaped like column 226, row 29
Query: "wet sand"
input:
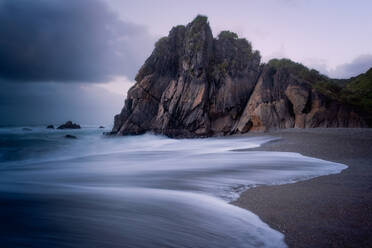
column 327, row 211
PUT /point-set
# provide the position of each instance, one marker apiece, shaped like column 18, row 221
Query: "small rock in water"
column 109, row 133
column 26, row 129
column 69, row 125
column 101, row 127
column 50, row 127
column 69, row 136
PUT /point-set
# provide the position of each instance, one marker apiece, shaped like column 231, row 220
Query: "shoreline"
column 326, row 211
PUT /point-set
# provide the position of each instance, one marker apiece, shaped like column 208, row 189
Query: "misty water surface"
column 137, row 191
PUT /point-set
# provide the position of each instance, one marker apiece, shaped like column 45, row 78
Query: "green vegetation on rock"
column 227, row 35
column 298, row 69
column 356, row 91
column 199, row 20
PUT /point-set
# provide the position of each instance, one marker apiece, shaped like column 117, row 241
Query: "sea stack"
column 69, row 125
column 195, row 85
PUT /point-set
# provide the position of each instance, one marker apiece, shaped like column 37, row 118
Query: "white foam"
column 189, row 179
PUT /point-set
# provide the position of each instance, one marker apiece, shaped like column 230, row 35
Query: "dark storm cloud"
column 67, row 40
column 55, row 103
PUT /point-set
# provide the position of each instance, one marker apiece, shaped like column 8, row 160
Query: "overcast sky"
column 75, row 59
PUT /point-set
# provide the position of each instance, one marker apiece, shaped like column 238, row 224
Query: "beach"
column 327, row 211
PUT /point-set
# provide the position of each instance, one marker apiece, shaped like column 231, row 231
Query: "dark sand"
column 327, row 211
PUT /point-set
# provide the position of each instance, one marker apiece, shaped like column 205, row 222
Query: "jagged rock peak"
column 196, row 85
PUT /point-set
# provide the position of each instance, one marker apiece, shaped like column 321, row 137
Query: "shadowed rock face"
column 281, row 99
column 196, row 85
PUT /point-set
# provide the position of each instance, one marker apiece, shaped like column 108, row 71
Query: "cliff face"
column 196, row 85
column 282, row 99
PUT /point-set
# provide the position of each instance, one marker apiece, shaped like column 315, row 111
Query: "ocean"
column 138, row 191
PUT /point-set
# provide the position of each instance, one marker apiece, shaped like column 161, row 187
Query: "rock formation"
column 196, row 85
column 69, row 125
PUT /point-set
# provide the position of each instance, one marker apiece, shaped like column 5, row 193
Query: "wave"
column 145, row 191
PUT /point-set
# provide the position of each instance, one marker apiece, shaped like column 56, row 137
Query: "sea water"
column 137, row 191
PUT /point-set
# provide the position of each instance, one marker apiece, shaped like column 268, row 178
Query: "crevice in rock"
column 308, row 104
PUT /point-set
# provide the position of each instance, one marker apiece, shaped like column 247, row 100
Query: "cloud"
column 359, row 65
column 317, row 64
column 68, row 41
column 55, row 103
column 119, row 85
column 278, row 54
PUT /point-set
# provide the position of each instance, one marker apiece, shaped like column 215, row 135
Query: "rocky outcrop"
column 196, row 85
column 282, row 99
column 69, row 136
column 69, row 125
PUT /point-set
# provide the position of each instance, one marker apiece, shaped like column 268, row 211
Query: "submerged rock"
column 26, row 129
column 69, row 125
column 101, row 127
column 50, row 127
column 194, row 85
column 69, row 136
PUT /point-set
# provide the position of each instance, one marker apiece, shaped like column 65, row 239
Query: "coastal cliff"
column 195, row 85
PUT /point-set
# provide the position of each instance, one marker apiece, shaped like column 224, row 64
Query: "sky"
column 75, row 59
